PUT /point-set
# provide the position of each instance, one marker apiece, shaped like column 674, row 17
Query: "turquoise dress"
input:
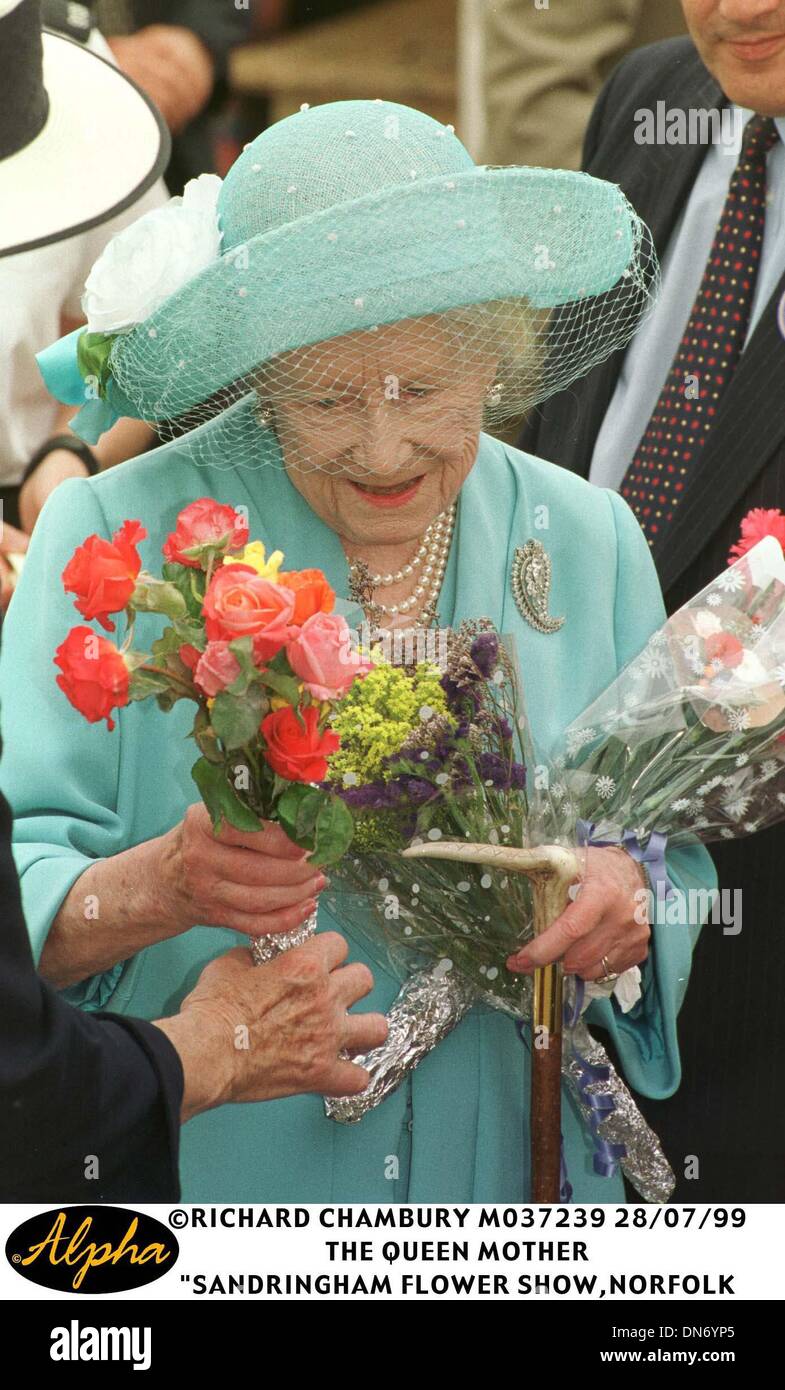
column 458, row 1130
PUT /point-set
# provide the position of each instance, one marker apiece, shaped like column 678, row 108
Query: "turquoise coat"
column 458, row 1130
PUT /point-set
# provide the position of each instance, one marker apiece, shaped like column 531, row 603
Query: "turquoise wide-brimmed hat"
column 337, row 220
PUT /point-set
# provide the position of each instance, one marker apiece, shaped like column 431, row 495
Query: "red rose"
column 202, row 527
column 189, row 656
column 298, row 754
column 94, row 675
column 239, row 603
column 102, row 574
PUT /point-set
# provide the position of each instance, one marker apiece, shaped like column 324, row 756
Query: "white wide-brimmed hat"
column 79, row 141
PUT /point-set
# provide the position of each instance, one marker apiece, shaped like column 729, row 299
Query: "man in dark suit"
column 689, row 423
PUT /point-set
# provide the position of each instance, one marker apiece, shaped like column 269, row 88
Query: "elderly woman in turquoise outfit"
column 368, row 298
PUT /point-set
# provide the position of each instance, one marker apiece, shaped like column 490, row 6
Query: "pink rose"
column 217, row 667
column 323, row 657
column 239, row 603
column 204, row 528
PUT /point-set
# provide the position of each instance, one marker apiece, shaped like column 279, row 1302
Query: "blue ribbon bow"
column 653, row 856
column 606, row 1155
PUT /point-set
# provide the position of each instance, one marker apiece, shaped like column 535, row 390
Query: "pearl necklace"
column 432, row 554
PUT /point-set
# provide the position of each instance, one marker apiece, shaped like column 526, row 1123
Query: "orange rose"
column 94, row 675
column 312, row 593
column 102, row 574
column 299, row 755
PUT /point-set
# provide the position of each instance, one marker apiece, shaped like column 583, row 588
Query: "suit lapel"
column 750, row 426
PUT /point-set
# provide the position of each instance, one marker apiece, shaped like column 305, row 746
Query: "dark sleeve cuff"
column 165, row 1061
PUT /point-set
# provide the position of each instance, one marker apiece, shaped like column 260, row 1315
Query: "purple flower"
column 373, row 796
column 460, row 698
column 499, row 771
column 485, row 652
column 417, row 790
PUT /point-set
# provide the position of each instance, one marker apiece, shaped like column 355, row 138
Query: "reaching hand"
column 249, row 1033
column 172, row 66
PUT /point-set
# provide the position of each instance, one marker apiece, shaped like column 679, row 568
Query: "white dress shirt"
column 650, row 355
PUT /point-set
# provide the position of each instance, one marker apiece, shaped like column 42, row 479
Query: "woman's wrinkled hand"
column 249, row 881
column 300, row 1035
column 604, row 929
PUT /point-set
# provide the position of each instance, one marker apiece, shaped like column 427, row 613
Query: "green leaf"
column 144, row 683
column 236, row 719
column 189, row 631
column 279, row 676
column 242, row 647
column 297, row 809
column 187, row 581
column 286, row 686
column 334, row 831
column 317, row 820
column 220, row 798
column 169, row 641
column 205, row 738
column 92, row 357
column 158, row 596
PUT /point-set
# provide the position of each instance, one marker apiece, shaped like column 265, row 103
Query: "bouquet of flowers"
column 687, row 744
column 435, row 761
column 427, row 755
column 259, row 651
column 689, row 741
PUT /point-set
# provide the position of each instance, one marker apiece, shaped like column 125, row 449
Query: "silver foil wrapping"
column 428, row 1007
column 431, row 1004
column 266, row 948
column 645, row 1163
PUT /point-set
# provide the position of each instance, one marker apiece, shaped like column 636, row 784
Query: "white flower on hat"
column 156, row 255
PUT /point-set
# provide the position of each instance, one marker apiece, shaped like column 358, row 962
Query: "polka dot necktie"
column 710, row 347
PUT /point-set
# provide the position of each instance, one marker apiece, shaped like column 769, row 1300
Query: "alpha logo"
column 75, row 1343
column 91, row 1249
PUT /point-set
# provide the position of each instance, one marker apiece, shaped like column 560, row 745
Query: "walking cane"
column 552, row 869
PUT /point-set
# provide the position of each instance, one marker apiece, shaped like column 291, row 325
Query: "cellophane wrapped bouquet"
column 686, row 745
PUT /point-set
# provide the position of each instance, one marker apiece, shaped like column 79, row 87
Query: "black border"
column 159, row 166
